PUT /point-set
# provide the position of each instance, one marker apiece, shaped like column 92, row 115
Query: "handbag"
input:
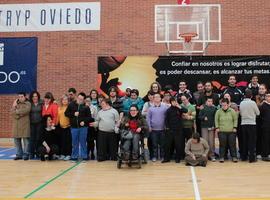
column 126, row 134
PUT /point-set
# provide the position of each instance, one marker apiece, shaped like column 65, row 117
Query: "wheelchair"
column 126, row 157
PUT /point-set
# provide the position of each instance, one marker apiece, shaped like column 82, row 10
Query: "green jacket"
column 188, row 123
column 225, row 121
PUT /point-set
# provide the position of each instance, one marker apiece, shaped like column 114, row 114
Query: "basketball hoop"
column 188, row 44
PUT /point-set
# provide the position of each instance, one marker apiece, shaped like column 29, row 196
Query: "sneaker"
column 17, row 158
column 265, row 159
column 235, row 160
column 203, row 164
column 84, row 160
column 26, row 158
column 154, row 159
column 253, row 161
column 73, row 159
column 259, row 157
column 62, row 157
column 165, row 161
column 66, row 158
column 213, row 159
column 221, row 160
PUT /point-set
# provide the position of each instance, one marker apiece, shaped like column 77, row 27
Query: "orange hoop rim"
column 188, row 36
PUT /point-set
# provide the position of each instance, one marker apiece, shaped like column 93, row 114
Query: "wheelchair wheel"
column 119, row 163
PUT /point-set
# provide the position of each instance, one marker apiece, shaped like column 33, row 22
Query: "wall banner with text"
column 18, row 65
column 140, row 71
column 50, row 17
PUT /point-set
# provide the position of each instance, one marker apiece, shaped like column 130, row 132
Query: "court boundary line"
column 7, row 149
column 51, row 180
column 195, row 184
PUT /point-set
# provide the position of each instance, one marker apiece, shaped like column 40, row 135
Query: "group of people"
column 178, row 125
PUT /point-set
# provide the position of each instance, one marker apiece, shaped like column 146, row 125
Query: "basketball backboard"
column 173, row 20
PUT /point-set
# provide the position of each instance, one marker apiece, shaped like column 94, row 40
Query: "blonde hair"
column 65, row 96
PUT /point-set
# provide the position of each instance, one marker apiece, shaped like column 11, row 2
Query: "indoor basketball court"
column 145, row 36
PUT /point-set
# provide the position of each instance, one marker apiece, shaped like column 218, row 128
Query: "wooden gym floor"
column 34, row 179
column 93, row 180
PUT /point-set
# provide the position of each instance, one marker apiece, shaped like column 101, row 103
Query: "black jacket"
column 235, row 93
column 84, row 114
column 117, row 105
column 173, row 120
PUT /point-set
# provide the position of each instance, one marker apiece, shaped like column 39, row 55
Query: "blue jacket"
column 128, row 102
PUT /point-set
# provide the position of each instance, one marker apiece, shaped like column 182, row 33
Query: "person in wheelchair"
column 133, row 127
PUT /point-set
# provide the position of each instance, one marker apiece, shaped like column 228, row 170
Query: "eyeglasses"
column 132, row 110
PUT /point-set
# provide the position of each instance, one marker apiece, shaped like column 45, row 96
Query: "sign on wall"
column 50, row 17
column 140, row 71
column 18, row 65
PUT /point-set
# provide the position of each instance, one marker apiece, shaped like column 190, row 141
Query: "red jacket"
column 52, row 110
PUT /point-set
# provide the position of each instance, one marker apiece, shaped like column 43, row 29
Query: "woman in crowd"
column 64, row 129
column 35, row 122
column 235, row 107
column 148, row 104
column 155, row 87
column 133, row 100
column 265, row 123
column 189, row 117
column 50, row 107
column 196, row 151
column 80, row 116
column 92, row 132
column 106, row 122
column 260, row 98
column 138, row 126
column 48, row 145
column 226, row 120
column 94, row 98
column 232, row 105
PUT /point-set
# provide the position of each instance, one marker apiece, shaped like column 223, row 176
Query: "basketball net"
column 188, row 45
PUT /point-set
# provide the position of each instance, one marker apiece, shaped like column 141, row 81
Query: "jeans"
column 157, row 139
column 22, row 151
column 36, row 130
column 79, row 136
column 135, row 144
column 227, row 138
